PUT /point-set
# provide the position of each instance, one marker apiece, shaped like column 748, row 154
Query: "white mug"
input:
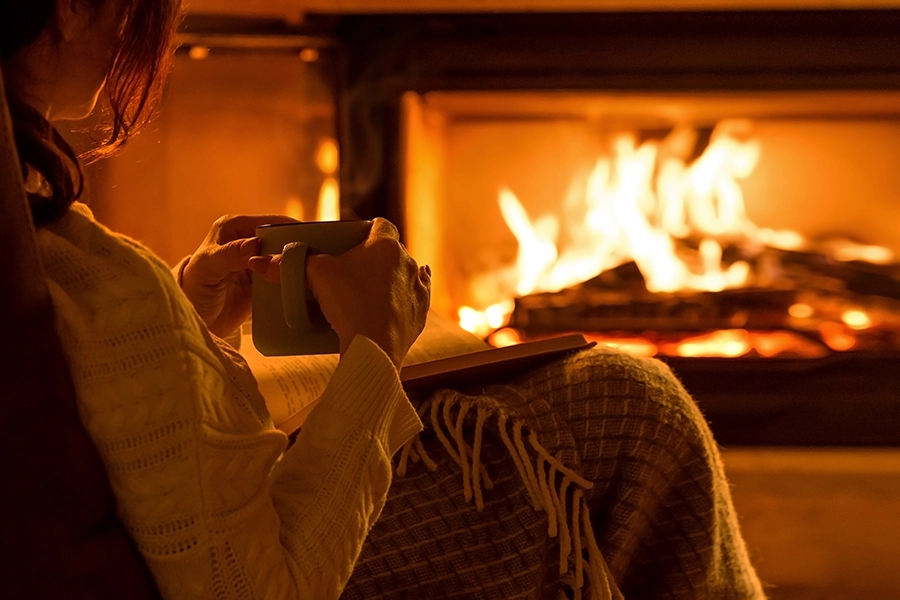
column 286, row 319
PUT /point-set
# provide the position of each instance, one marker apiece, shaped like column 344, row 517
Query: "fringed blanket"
column 594, row 476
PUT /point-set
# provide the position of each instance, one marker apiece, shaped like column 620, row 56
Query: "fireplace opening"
column 704, row 225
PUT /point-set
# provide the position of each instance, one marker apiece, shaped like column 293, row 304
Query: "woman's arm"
column 186, row 442
column 332, row 484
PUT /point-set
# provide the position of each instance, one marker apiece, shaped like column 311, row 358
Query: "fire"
column 801, row 310
column 482, row 323
column 650, row 203
column 329, row 208
column 636, row 205
column 837, row 336
column 634, row 346
column 850, row 251
column 727, row 343
column 856, row 319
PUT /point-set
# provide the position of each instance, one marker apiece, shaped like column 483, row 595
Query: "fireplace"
column 742, row 162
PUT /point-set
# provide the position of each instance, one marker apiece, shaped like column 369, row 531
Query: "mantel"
column 294, row 9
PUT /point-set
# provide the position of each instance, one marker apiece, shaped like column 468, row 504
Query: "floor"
column 820, row 524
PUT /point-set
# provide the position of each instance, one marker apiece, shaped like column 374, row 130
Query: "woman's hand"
column 375, row 289
column 216, row 279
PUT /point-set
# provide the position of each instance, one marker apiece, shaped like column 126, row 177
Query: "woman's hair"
column 133, row 86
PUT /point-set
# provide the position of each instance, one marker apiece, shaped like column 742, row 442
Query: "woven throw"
column 594, row 476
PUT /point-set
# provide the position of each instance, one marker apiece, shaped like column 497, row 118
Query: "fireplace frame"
column 848, row 400
column 384, row 56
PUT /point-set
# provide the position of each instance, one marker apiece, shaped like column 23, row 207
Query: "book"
column 444, row 355
column 483, row 367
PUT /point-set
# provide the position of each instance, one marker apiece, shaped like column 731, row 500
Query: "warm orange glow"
column 856, row 319
column 327, row 156
column 785, row 240
column 635, row 346
column 849, row 251
column 723, row 343
column 837, row 336
column 801, row 311
column 676, row 218
column 309, row 55
column 777, row 343
column 727, row 343
column 483, row 322
column 504, row 337
column 294, row 208
column 636, row 203
column 329, row 208
column 198, row 52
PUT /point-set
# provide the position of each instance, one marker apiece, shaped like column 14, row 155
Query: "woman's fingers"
column 220, row 261
column 267, row 266
column 383, row 228
column 234, row 227
column 375, row 289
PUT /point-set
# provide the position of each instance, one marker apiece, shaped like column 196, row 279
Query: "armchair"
column 59, row 534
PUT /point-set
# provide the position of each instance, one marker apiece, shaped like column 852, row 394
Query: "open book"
column 443, row 355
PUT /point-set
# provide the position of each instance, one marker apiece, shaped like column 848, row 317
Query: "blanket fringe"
column 545, row 478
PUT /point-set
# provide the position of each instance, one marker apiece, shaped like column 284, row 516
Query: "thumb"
column 267, row 266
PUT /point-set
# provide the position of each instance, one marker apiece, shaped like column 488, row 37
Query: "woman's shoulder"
column 105, row 281
column 79, row 234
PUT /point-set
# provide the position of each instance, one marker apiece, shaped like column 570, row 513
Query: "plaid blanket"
column 594, row 476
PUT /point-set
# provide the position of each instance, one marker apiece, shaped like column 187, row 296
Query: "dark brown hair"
column 133, row 86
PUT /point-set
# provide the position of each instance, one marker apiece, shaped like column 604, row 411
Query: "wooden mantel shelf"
column 293, row 9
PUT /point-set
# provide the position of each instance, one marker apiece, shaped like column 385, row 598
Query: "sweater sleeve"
column 299, row 534
column 332, row 484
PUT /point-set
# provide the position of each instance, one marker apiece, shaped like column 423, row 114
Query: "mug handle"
column 293, row 286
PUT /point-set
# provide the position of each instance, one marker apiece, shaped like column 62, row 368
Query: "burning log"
column 587, row 308
column 812, row 270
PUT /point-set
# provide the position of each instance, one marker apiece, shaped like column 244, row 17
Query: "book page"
column 442, row 338
column 288, row 384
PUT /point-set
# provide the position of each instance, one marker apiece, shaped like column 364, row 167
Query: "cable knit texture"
column 202, row 481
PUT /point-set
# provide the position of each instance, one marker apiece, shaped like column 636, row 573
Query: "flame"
column 801, row 310
column 837, row 336
column 483, row 322
column 505, row 337
column 724, row 343
column 727, row 343
column 649, row 203
column 856, row 319
column 635, row 346
column 327, row 156
column 329, row 208
column 849, row 251
column 636, row 204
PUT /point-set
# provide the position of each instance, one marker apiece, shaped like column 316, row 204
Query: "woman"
column 593, row 474
column 186, row 440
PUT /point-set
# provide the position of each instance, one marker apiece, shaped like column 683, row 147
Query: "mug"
column 286, row 319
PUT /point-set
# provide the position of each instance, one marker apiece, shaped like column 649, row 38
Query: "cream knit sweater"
column 202, row 482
